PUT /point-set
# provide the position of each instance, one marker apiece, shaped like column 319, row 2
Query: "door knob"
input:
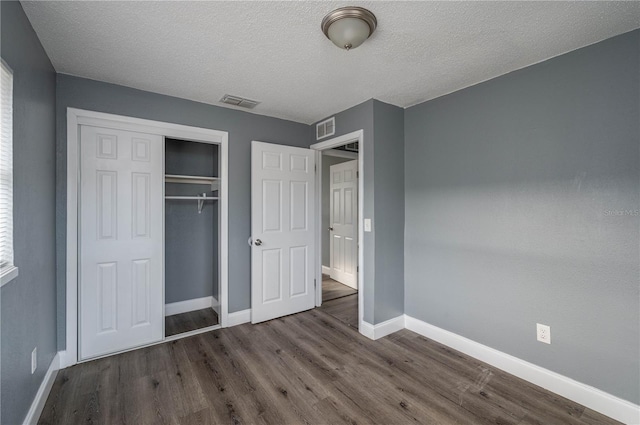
column 258, row 242
column 331, row 229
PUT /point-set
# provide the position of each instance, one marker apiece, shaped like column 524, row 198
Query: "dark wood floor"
column 344, row 309
column 332, row 289
column 189, row 321
column 307, row 368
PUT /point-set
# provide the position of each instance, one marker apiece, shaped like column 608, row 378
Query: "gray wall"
column 515, row 196
column 243, row 127
column 388, row 123
column 29, row 301
column 327, row 162
column 383, row 125
column 191, row 238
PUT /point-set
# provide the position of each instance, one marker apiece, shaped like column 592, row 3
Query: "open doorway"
column 339, row 217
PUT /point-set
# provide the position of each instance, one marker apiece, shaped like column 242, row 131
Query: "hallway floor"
column 340, row 301
column 332, row 289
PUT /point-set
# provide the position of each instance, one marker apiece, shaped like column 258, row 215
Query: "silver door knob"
column 331, row 229
column 258, row 242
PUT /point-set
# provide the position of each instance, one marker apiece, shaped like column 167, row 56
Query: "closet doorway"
column 147, row 235
column 191, row 236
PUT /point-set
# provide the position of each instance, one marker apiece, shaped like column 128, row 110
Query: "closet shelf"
column 176, row 178
column 201, row 199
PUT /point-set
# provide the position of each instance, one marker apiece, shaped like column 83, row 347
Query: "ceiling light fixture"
column 348, row 27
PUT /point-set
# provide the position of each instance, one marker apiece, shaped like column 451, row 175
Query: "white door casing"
column 282, row 226
column 121, row 240
column 343, row 222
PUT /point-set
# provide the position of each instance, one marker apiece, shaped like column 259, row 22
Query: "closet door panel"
column 121, row 240
column 141, row 196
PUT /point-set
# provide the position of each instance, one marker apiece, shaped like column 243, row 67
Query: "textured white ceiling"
column 274, row 52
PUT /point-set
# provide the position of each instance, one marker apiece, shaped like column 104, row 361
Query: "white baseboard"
column 353, row 285
column 215, row 305
column 239, row 317
column 64, row 360
column 43, row 392
column 327, row 271
column 366, row 329
column 382, row 329
column 187, row 305
column 586, row 395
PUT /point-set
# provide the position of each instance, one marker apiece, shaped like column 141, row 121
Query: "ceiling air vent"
column 326, row 128
column 239, row 101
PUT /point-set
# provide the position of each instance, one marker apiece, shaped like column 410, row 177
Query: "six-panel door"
column 282, row 225
column 121, row 239
column 344, row 223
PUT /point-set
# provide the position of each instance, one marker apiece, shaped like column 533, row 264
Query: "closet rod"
column 199, row 198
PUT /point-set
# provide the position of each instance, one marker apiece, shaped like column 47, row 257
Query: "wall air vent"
column 349, row 147
column 239, row 101
column 326, row 128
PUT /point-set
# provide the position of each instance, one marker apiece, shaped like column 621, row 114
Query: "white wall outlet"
column 367, row 224
column 544, row 333
column 34, row 360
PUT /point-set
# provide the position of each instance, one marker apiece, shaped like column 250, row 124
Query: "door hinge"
column 358, row 268
column 314, row 283
column 357, row 174
column 315, row 168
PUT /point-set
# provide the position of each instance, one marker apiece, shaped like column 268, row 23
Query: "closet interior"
column 192, row 243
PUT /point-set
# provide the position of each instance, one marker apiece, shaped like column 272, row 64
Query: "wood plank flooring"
column 308, row 368
column 344, row 309
column 190, row 321
column 332, row 289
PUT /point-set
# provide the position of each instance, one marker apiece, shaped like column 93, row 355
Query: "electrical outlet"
column 34, row 360
column 544, row 333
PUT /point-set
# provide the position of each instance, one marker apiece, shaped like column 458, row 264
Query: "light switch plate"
column 367, row 224
column 34, row 360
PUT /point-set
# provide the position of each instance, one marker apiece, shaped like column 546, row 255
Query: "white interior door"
column 282, row 226
column 343, row 230
column 121, row 240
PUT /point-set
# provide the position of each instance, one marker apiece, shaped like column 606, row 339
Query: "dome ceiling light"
column 348, row 27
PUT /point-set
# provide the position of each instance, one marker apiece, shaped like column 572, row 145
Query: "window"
column 7, row 270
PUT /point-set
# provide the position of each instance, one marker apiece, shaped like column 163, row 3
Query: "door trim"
column 356, row 136
column 77, row 117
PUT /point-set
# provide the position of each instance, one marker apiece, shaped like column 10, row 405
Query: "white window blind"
column 6, row 172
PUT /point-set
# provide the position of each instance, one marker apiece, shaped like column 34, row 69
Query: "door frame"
column 76, row 118
column 355, row 136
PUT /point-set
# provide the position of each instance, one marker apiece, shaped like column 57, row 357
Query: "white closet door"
column 121, row 240
column 344, row 223
column 282, row 226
